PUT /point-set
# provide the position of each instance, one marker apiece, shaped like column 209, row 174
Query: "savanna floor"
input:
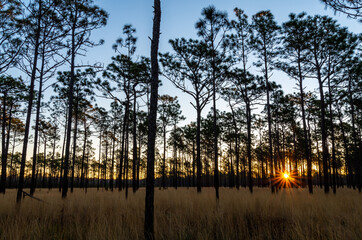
column 184, row 214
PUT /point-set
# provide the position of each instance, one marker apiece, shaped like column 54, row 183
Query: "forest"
column 105, row 128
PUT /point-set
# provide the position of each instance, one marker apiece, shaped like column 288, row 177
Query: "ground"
column 184, row 214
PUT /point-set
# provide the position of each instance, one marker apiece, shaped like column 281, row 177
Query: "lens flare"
column 286, row 179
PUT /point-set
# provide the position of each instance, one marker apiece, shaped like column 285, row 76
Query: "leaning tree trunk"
column 30, row 106
column 62, row 160
column 150, row 180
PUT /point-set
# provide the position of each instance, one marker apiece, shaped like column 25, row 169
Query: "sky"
column 178, row 20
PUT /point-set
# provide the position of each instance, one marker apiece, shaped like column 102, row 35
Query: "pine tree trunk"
column 306, row 145
column 99, row 160
column 134, row 165
column 150, row 180
column 356, row 142
column 248, row 122
column 334, row 181
column 198, row 149
column 74, row 144
column 112, row 163
column 124, row 129
column 346, row 149
column 164, row 159
column 271, row 178
column 44, row 164
column 83, row 153
column 105, row 185
column 70, row 113
column 63, row 148
column 30, row 106
column 236, row 148
column 324, row 134
column 11, row 161
column 3, row 147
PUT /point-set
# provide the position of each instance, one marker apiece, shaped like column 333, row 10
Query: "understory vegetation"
column 185, row 214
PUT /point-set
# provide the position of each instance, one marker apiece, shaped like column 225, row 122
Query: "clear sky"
column 178, row 20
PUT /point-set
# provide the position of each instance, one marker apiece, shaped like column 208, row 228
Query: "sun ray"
column 286, row 180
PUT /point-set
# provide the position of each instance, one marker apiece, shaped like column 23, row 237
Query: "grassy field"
column 184, row 214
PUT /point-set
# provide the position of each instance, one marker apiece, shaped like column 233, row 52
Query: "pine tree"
column 264, row 41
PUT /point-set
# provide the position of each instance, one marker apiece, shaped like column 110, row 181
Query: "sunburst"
column 286, row 179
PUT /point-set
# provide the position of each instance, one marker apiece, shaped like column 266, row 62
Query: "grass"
column 184, row 214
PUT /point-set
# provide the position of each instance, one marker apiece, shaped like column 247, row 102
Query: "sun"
column 286, row 179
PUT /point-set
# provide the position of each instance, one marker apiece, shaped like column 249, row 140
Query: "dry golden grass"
column 184, row 214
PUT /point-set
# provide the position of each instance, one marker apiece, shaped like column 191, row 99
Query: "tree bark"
column 271, row 178
column 70, row 113
column 150, row 180
column 248, row 122
column 134, row 165
column 3, row 147
column 74, row 144
column 306, row 145
column 30, row 107
column 198, row 149
column 164, row 159
column 36, row 131
column 112, row 163
column 334, row 166
column 324, row 133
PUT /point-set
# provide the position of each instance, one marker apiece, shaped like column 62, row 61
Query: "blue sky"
column 178, row 20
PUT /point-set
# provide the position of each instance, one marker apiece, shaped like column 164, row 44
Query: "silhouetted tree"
column 152, row 124
column 264, row 41
column 80, row 17
column 188, row 66
column 211, row 28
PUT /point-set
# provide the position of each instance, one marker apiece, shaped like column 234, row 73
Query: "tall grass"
column 184, row 214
